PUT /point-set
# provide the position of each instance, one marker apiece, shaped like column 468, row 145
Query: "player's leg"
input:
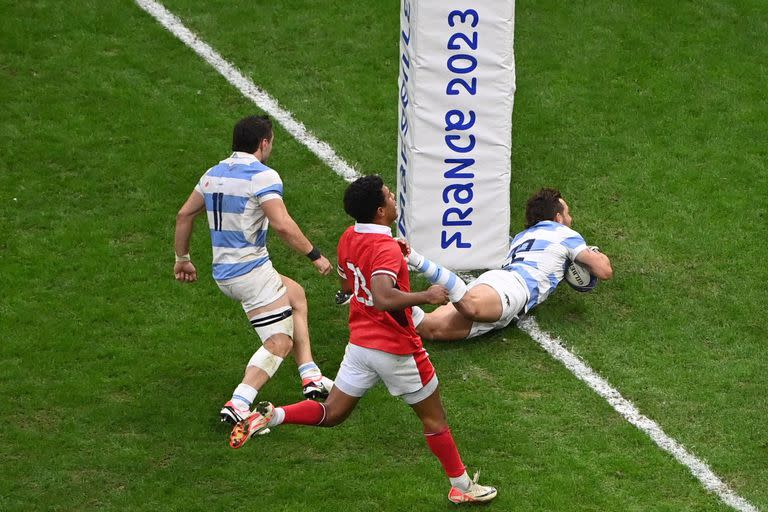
column 276, row 345
column 314, row 384
column 437, row 274
column 479, row 303
column 266, row 304
column 493, row 301
column 413, row 378
column 444, row 323
column 440, row 441
column 334, row 411
column 265, row 416
column 355, row 377
column 454, row 321
column 271, row 323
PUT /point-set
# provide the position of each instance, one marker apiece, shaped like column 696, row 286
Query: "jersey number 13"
column 362, row 293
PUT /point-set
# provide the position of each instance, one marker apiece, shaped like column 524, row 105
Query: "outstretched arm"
column 287, row 229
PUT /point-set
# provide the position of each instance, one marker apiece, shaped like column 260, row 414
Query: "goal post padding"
column 456, row 91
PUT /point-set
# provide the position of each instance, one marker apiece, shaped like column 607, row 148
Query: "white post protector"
column 456, row 91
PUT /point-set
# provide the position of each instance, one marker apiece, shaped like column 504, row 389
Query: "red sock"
column 307, row 412
column 444, row 448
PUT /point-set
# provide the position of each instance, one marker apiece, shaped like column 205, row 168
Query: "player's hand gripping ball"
column 578, row 277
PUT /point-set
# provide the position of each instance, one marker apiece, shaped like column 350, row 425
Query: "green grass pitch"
column 651, row 118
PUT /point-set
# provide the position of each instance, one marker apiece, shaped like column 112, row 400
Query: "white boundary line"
column 553, row 346
column 250, row 90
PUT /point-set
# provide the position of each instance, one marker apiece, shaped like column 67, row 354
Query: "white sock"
column 437, row 274
column 279, row 416
column 462, row 482
column 417, row 314
column 310, row 371
column 244, row 395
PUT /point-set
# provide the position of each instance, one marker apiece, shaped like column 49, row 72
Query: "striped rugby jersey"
column 540, row 255
column 234, row 191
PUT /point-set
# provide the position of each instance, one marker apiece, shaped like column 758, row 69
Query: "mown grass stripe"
column 629, row 412
column 250, row 90
column 553, row 346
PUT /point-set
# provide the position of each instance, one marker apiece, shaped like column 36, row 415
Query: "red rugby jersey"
column 366, row 250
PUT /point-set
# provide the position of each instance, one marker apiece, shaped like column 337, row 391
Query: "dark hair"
column 249, row 132
column 363, row 197
column 543, row 205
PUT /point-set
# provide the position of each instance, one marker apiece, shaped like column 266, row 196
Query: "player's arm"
column 183, row 268
column 598, row 263
column 185, row 220
column 287, row 229
column 386, row 297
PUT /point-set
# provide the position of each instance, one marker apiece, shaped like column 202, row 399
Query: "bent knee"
column 426, row 331
column 469, row 309
column 483, row 304
column 279, row 344
column 434, row 331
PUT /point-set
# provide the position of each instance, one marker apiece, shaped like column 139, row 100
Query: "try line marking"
column 630, row 413
column 624, row 407
column 250, row 90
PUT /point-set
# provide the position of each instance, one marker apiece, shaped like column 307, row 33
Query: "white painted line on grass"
column 528, row 324
column 698, row 468
column 246, row 86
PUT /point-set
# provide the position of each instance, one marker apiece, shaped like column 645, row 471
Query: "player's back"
column 540, row 254
column 234, row 190
column 365, row 251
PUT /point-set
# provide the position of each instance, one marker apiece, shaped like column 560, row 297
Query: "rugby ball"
column 579, row 278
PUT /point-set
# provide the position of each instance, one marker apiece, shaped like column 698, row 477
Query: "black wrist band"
column 314, row 254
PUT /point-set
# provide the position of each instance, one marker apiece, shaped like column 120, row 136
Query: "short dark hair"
column 249, row 132
column 363, row 197
column 543, row 205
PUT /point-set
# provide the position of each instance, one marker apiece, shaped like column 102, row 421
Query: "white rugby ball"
column 579, row 278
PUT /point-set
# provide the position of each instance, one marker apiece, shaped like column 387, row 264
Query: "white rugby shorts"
column 257, row 288
column 410, row 377
column 512, row 292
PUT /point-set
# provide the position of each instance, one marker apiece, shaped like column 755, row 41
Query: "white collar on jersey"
column 243, row 155
column 372, row 228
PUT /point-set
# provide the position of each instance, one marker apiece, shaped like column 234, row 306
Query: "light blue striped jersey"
column 540, row 255
column 234, row 191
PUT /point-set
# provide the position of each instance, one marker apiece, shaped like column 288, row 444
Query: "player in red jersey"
column 383, row 343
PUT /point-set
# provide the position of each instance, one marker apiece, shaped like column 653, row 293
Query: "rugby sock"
column 309, row 372
column 243, row 396
column 462, row 483
column 307, row 412
column 442, row 445
column 418, row 315
column 277, row 418
column 437, row 274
